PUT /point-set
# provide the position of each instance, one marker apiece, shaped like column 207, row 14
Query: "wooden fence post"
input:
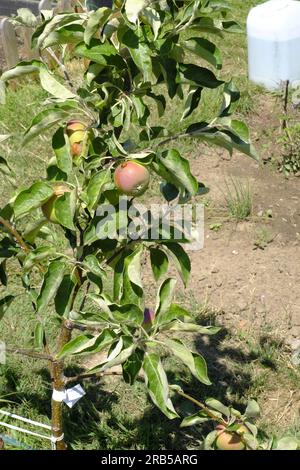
column 9, row 43
column 29, row 53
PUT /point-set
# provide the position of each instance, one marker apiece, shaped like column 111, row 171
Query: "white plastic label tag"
column 73, row 395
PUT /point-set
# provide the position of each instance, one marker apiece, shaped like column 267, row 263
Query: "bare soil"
column 252, row 286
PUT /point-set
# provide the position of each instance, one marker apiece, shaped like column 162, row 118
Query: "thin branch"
column 202, row 406
column 171, row 138
column 61, row 66
column 30, row 353
column 117, row 253
column 77, row 326
column 15, row 234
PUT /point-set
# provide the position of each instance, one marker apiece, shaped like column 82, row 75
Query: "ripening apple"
column 227, row 440
column 48, row 208
column 76, row 131
column 132, row 178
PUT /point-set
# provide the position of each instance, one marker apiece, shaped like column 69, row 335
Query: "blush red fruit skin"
column 149, row 316
column 48, row 208
column 76, row 149
column 76, row 131
column 132, row 178
column 75, row 125
column 230, row 440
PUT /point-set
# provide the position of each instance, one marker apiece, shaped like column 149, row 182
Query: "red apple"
column 132, row 178
column 230, row 440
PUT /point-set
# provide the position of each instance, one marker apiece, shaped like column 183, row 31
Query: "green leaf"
column 193, row 420
column 104, row 54
column 32, row 198
column 128, row 313
column 33, row 229
column 157, row 384
column 69, row 34
column 86, row 344
column 192, row 101
column 159, row 263
column 169, row 191
column 62, row 150
column 174, row 312
column 180, row 259
column 44, row 121
column 224, row 137
column 119, row 359
column 231, row 97
column 252, row 410
column 152, row 17
column 195, row 362
column 180, row 169
column 164, row 298
column 3, row 275
column 205, row 50
column 63, row 297
column 250, row 440
column 26, row 17
column 56, row 22
column 218, row 406
column 7, row 248
column 132, row 366
column 95, row 22
column 54, row 173
column 232, row 27
column 191, row 73
column 64, row 208
column 210, row 440
column 36, row 256
column 4, row 304
column 132, row 282
column 23, row 68
column 53, row 86
column 133, row 8
column 140, row 53
column 133, row 266
column 51, row 283
column 92, row 264
column 4, row 167
column 76, row 345
column 96, row 186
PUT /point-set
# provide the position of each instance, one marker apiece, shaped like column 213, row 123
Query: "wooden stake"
column 9, row 43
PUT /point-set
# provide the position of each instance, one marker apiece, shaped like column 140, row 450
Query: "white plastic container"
column 273, row 30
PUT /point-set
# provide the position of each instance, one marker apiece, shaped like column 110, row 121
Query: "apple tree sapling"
column 135, row 54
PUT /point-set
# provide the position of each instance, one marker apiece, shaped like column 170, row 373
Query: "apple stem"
column 61, row 65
